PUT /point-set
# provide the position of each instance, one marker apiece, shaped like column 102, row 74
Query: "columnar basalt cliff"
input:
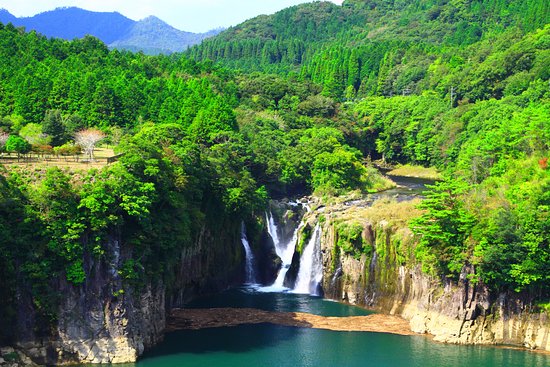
column 378, row 270
column 107, row 321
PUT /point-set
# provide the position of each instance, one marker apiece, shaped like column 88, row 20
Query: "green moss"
column 381, row 238
column 11, row 357
column 350, row 240
column 305, row 236
column 349, row 237
column 335, row 252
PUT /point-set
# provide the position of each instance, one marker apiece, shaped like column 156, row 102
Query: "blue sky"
column 187, row 15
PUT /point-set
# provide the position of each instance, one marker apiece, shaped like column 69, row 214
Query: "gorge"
column 248, row 177
column 456, row 313
column 265, row 342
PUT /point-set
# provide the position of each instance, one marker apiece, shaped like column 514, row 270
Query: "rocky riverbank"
column 10, row 357
column 368, row 259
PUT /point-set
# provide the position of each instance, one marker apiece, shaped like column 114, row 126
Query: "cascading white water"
column 249, row 258
column 272, row 231
column 284, row 249
column 311, row 266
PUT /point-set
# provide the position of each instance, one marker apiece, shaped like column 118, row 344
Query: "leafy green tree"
column 317, row 106
column 297, row 160
column 56, row 199
column 33, row 134
column 217, row 117
column 74, row 123
column 18, row 145
column 338, row 171
column 512, row 249
column 444, row 229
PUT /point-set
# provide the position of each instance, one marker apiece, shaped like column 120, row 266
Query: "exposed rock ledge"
column 193, row 319
column 389, row 279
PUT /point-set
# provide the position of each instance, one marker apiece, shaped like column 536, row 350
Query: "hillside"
column 375, row 47
column 150, row 35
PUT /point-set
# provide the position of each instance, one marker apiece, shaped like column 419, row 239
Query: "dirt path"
column 219, row 317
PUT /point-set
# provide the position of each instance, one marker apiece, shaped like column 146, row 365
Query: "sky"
column 186, row 15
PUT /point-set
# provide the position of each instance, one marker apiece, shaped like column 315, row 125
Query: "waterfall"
column 249, row 258
column 284, row 249
column 272, row 231
column 311, row 266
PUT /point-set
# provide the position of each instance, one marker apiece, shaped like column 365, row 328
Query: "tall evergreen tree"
column 53, row 126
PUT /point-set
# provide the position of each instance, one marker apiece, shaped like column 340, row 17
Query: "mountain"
column 150, row 35
column 159, row 37
column 6, row 17
column 70, row 23
column 375, row 47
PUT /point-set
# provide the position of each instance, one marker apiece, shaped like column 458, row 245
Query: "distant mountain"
column 150, row 35
column 160, row 36
column 6, row 17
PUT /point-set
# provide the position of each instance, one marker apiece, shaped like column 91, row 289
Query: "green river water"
column 272, row 345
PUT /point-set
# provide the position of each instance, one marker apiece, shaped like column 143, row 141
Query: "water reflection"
column 282, row 302
column 270, row 345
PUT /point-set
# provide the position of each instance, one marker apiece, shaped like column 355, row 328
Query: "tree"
column 88, row 140
column 74, row 123
column 218, row 117
column 17, row 144
column 337, row 171
column 53, row 126
column 444, row 229
column 33, row 134
column 317, row 106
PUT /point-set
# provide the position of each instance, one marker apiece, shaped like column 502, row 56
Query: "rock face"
column 105, row 321
column 98, row 322
column 387, row 280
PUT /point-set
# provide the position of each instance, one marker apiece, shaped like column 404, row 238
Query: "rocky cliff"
column 106, row 320
column 368, row 258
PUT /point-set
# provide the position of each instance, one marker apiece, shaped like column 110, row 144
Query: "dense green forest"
column 459, row 85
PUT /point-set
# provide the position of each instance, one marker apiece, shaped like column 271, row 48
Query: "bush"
column 67, row 149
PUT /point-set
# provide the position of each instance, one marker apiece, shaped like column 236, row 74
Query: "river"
column 271, row 345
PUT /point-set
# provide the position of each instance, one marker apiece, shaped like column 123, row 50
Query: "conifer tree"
column 53, row 126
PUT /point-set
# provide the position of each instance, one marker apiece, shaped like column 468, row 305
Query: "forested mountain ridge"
column 150, row 35
column 365, row 46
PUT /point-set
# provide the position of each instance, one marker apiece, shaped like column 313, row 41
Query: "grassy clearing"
column 416, row 171
column 385, row 210
column 73, row 163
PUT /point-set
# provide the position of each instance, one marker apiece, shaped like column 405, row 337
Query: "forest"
column 297, row 103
